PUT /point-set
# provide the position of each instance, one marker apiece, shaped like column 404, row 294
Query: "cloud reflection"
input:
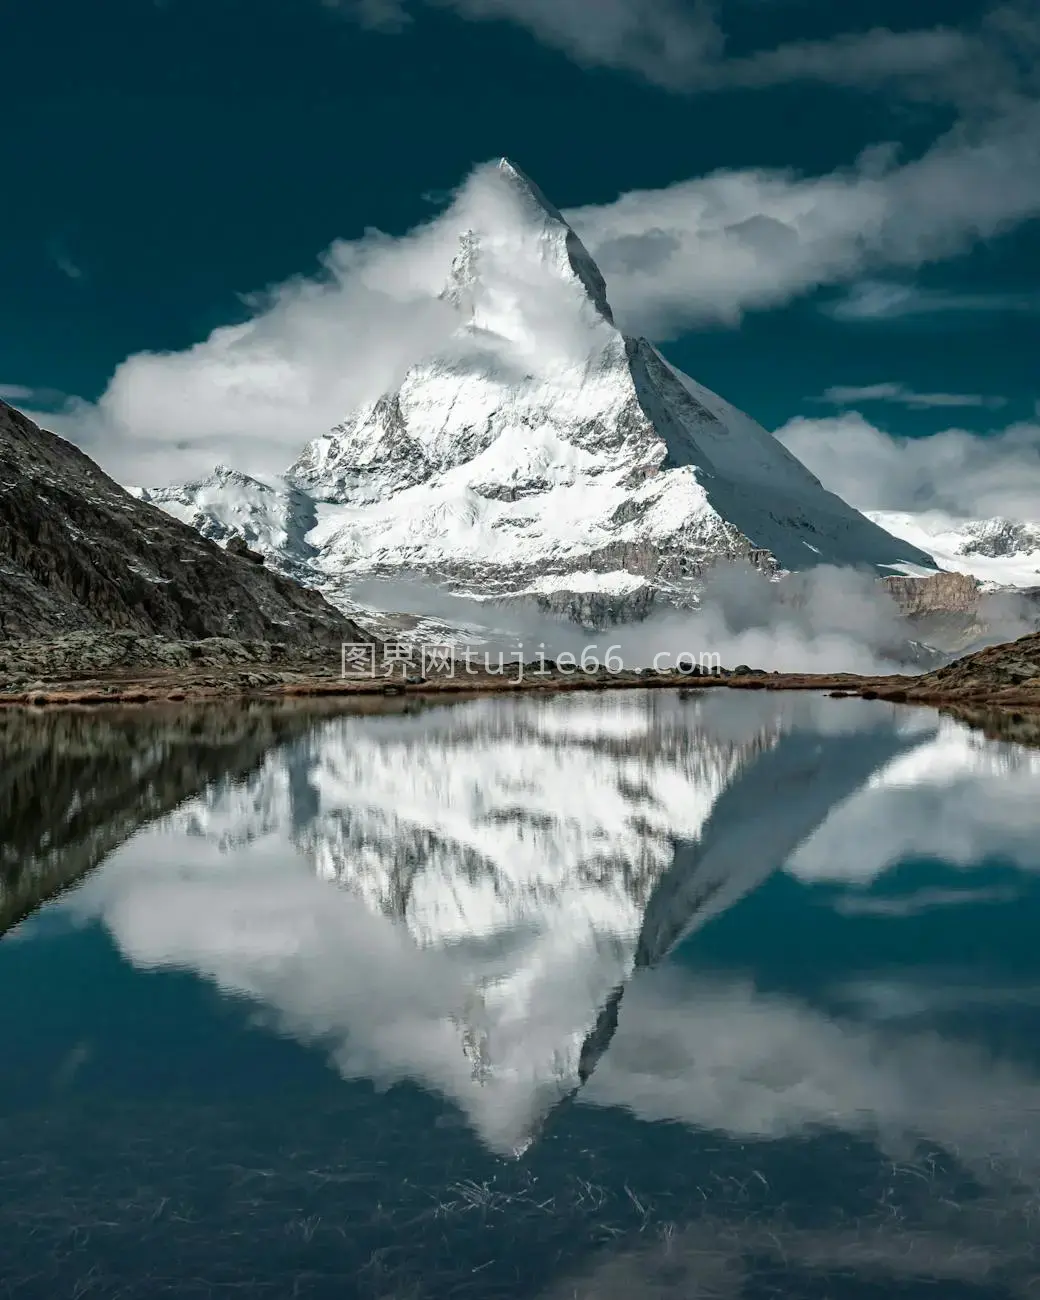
column 453, row 897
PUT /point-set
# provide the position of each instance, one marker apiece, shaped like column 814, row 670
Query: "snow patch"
column 998, row 552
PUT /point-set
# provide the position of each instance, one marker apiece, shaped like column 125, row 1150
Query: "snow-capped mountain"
column 272, row 518
column 540, row 451
column 531, row 853
column 998, row 552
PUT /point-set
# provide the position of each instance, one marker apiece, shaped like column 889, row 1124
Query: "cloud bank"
column 820, row 620
column 880, row 300
column 901, row 395
column 957, row 472
column 680, row 46
column 711, row 249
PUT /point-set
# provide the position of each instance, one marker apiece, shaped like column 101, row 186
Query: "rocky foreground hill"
column 79, row 553
column 1010, row 671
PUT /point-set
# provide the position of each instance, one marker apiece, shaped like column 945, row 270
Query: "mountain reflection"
column 772, row 805
column 462, row 896
column 75, row 784
column 755, row 975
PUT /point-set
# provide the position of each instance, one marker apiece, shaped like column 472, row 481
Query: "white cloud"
column 382, row 15
column 61, row 258
column 881, row 300
column 921, row 901
column 712, row 248
column 901, row 395
column 680, row 46
column 821, row 620
column 728, row 1058
column 701, row 251
column 956, row 799
column 964, row 474
column 314, row 349
column 25, row 394
column 68, row 267
column 254, row 393
column 665, row 41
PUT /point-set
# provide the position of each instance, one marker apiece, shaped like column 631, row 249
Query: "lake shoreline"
column 143, row 688
column 995, row 690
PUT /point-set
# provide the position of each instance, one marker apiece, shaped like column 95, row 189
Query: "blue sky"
column 165, row 160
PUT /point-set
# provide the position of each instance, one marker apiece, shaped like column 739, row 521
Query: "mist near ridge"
column 824, row 619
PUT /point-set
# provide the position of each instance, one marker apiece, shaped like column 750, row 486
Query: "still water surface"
column 572, row 997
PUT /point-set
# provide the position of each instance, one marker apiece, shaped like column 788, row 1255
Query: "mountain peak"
column 527, row 189
column 524, row 240
column 225, row 474
column 537, row 450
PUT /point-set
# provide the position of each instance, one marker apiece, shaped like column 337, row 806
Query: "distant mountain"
column 78, row 552
column 273, row 519
column 998, row 552
column 541, row 452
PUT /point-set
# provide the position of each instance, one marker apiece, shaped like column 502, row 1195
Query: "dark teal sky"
column 162, row 159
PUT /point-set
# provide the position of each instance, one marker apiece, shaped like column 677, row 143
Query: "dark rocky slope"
column 76, row 785
column 1013, row 667
column 956, row 615
column 78, row 553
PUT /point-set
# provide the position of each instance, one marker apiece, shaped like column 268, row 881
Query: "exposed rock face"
column 600, row 609
column 945, row 592
column 237, row 546
column 999, row 538
column 79, row 552
column 955, row 613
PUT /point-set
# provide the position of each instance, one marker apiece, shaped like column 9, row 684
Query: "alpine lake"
column 557, row 997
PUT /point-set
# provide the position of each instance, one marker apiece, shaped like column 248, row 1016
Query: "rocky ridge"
column 956, row 614
column 1012, row 667
column 78, row 552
